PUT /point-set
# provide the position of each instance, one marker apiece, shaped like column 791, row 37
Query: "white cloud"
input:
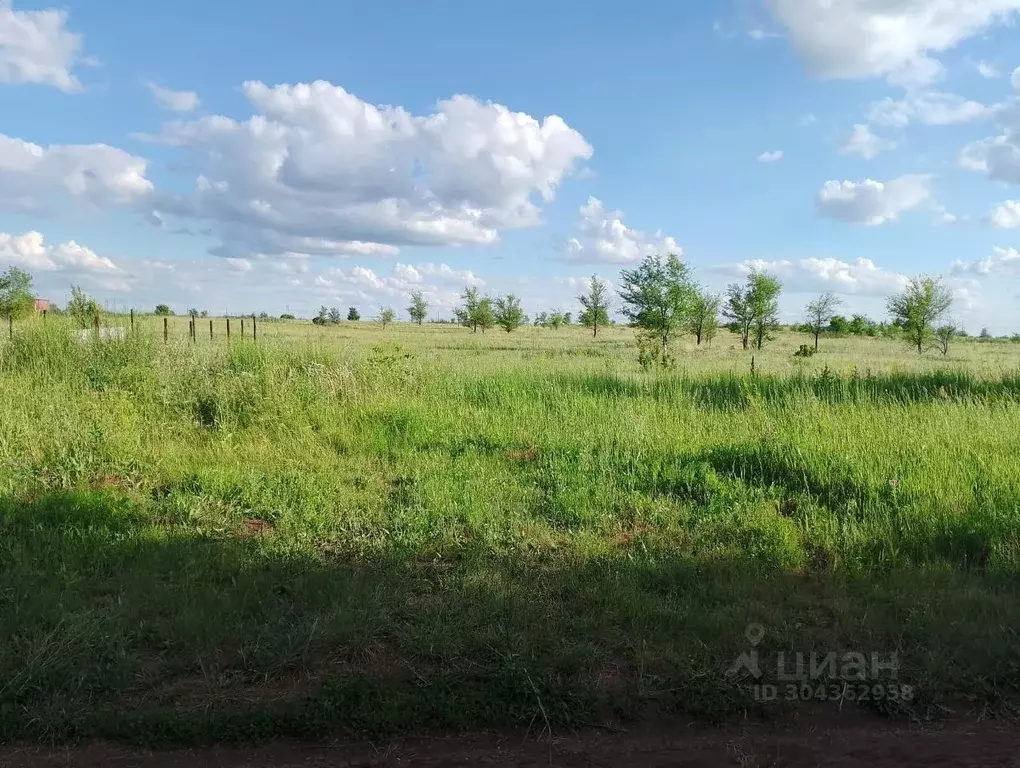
column 318, row 170
column 35, row 179
column 36, row 47
column 1004, row 262
column 177, row 101
column 771, row 157
column 1006, row 216
column 928, row 108
column 604, row 238
column 872, row 202
column 861, row 277
column 997, row 157
column 987, row 69
column 240, row 266
column 856, row 39
column 864, row 142
column 30, row 252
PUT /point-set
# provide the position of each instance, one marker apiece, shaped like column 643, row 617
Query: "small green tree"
column 508, row 312
column 944, row 334
column 485, row 317
column 555, row 320
column 753, row 308
column 418, row 310
column 387, row 316
column 16, row 297
column 659, row 297
column 595, row 312
column 705, row 316
column 163, row 310
column 352, row 314
column 919, row 307
column 467, row 315
column 83, row 308
column 820, row 313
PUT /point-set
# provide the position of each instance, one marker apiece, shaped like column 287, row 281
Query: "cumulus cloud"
column 177, row 101
column 864, row 142
column 36, row 47
column 1004, row 262
column 997, row 157
column 318, row 170
column 1006, row 216
column 861, row 277
column 771, row 157
column 604, row 238
column 897, row 39
column 36, row 179
column 987, row 69
column 928, row 108
column 871, row 202
column 30, row 252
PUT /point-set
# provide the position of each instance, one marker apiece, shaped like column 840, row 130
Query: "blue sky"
column 262, row 156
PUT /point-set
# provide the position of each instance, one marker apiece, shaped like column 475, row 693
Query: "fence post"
column 166, row 332
column 44, row 315
column 242, row 327
column 254, row 329
column 132, row 321
column 96, row 319
column 210, row 330
column 228, row 329
column 752, row 365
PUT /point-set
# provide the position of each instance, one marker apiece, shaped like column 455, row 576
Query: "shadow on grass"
column 115, row 626
column 730, row 391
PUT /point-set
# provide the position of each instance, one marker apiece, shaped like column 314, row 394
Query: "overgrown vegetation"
column 382, row 530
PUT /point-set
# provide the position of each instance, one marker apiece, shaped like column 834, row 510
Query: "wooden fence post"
column 210, row 330
column 96, row 320
column 254, row 329
column 132, row 321
column 44, row 315
column 228, row 329
column 752, row 365
column 242, row 327
column 166, row 327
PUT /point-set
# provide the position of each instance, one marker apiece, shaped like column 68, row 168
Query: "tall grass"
column 211, row 541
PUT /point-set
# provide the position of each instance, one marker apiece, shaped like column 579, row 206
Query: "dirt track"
column 809, row 742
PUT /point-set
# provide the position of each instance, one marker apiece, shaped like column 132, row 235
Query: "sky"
column 278, row 157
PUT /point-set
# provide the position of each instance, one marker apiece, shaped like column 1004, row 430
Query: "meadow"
column 377, row 530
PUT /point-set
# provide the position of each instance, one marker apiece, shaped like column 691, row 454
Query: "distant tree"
column 753, row 308
column 838, row 325
column 205, row 313
column 985, row 334
column 352, row 314
column 705, row 316
column 387, row 316
column 262, row 315
column 862, row 325
column 595, row 303
column 163, row 310
column 944, row 334
column 820, row 313
column 485, row 317
column 555, row 320
column 16, row 297
column 542, row 319
column 419, row 308
column 192, row 312
column 83, row 308
column 568, row 318
column 919, row 307
column 508, row 313
column 287, row 316
column 659, row 298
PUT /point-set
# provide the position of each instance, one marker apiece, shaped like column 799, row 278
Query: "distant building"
column 42, row 305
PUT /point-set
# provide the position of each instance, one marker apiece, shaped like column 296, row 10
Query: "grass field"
column 388, row 530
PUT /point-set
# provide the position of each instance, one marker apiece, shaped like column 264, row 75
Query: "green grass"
column 392, row 529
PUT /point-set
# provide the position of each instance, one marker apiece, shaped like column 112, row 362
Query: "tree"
column 205, row 313
column 287, row 316
column 352, row 314
column 419, row 308
column 753, row 308
column 944, row 334
column 568, row 318
column 485, row 318
column 705, row 316
column 16, row 297
column 192, row 312
column 820, row 313
column 387, row 316
column 985, row 334
column 508, row 313
column 163, row 310
column 542, row 319
column 595, row 303
column 83, row 308
column 659, row 297
column 919, row 307
column 555, row 320
column 476, row 312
